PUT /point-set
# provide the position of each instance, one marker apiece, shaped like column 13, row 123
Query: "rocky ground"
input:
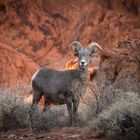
column 67, row 133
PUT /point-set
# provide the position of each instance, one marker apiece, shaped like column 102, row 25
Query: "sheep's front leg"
column 69, row 108
column 36, row 98
column 75, row 111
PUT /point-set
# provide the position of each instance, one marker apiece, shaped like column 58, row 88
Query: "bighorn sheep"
column 64, row 87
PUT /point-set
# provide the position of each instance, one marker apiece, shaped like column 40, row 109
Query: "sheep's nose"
column 82, row 62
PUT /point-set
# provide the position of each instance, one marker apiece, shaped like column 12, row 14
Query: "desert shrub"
column 121, row 118
column 110, row 93
column 10, row 101
column 54, row 117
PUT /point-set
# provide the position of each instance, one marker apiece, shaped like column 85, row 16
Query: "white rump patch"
column 34, row 75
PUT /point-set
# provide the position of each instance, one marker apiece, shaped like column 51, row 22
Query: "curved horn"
column 93, row 44
column 76, row 46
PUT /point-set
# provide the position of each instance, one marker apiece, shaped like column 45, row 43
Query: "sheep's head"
column 84, row 53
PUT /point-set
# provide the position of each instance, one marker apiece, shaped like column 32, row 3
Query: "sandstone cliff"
column 37, row 33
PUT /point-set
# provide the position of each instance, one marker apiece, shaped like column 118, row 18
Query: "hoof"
column 33, row 130
column 70, row 124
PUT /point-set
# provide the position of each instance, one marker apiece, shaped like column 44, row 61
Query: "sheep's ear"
column 92, row 47
column 76, row 46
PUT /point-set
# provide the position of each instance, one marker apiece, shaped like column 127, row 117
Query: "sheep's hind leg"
column 36, row 98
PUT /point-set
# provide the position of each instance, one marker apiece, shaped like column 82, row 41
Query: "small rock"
column 11, row 136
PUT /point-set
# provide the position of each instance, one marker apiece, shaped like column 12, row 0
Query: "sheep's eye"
column 76, row 54
column 92, row 52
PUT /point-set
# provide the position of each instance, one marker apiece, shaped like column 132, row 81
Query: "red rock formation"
column 14, row 66
column 37, row 33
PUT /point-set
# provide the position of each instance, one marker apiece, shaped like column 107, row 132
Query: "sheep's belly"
column 56, row 99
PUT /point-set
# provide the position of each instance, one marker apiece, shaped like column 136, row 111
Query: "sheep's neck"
column 83, row 74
